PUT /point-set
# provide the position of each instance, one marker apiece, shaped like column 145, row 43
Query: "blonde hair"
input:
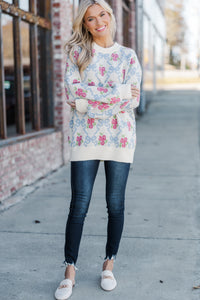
column 82, row 37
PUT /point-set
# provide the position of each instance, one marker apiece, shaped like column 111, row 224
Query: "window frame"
column 35, row 22
column 126, row 11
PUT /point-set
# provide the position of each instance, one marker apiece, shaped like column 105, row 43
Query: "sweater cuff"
column 81, row 105
column 126, row 91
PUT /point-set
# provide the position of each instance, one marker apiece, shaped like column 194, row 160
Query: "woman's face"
column 97, row 21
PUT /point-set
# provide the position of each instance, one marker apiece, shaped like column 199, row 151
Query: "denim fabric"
column 83, row 174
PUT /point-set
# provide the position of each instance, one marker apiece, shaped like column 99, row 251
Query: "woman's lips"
column 101, row 29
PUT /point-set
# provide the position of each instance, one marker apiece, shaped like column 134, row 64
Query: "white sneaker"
column 108, row 281
column 64, row 290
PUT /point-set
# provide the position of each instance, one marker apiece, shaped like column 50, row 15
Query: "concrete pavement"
column 159, row 256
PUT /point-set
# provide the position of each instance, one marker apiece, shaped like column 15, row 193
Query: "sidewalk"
column 159, row 257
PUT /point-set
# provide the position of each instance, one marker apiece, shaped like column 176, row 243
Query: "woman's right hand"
column 72, row 104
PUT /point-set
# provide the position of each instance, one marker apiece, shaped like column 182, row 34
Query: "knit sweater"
column 102, row 127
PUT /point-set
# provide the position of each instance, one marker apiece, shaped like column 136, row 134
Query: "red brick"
column 56, row 4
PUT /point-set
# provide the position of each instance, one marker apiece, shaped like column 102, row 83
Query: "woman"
column 102, row 81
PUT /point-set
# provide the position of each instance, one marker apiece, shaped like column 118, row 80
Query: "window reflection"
column 9, row 79
column 26, row 75
column 24, row 4
column 17, row 111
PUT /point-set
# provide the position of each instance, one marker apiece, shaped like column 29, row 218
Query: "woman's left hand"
column 135, row 92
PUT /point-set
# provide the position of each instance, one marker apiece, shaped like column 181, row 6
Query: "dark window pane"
column 43, row 9
column 9, row 83
column 26, row 75
column 127, row 2
column 42, row 79
column 126, row 28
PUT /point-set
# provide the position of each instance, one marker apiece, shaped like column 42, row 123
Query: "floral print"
column 123, row 142
column 106, row 129
column 81, row 93
column 76, row 81
column 76, row 55
column 129, row 126
column 114, row 56
column 91, row 83
column 93, row 103
column 66, row 67
column 114, row 100
column 110, row 83
column 102, row 139
column 123, row 74
column 114, row 122
column 102, row 70
column 103, row 106
column 91, row 123
column 132, row 61
column 67, row 93
column 124, row 104
column 102, row 90
column 79, row 139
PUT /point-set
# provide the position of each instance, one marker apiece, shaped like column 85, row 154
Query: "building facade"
column 33, row 111
column 151, row 40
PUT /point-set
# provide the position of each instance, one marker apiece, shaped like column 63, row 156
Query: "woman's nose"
column 98, row 21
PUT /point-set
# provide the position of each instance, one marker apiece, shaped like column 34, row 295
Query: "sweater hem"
column 102, row 153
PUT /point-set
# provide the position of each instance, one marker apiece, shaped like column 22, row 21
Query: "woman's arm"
column 75, row 89
column 102, row 110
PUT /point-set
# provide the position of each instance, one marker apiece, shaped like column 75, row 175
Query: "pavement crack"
column 104, row 235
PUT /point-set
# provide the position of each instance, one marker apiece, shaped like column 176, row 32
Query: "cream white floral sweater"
column 103, row 126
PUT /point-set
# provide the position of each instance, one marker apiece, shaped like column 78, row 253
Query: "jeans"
column 83, row 174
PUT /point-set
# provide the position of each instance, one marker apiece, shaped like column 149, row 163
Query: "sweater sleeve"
column 76, row 89
column 104, row 110
column 134, row 76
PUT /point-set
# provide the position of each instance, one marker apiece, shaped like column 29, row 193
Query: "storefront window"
column 25, row 77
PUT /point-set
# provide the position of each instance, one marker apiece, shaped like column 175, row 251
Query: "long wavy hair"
column 82, row 37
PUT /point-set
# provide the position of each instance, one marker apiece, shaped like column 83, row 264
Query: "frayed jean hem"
column 70, row 264
column 108, row 257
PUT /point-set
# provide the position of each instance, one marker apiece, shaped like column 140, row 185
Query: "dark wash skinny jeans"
column 83, row 174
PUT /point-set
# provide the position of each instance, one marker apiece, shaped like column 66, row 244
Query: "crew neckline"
column 107, row 49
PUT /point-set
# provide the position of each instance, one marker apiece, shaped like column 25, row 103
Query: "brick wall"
column 24, row 162
column 61, row 23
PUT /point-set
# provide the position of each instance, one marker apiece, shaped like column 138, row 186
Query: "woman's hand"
column 135, row 92
column 72, row 104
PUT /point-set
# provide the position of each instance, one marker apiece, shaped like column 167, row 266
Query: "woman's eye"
column 102, row 15
column 90, row 20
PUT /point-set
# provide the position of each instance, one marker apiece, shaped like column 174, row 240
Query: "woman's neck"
column 105, row 43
